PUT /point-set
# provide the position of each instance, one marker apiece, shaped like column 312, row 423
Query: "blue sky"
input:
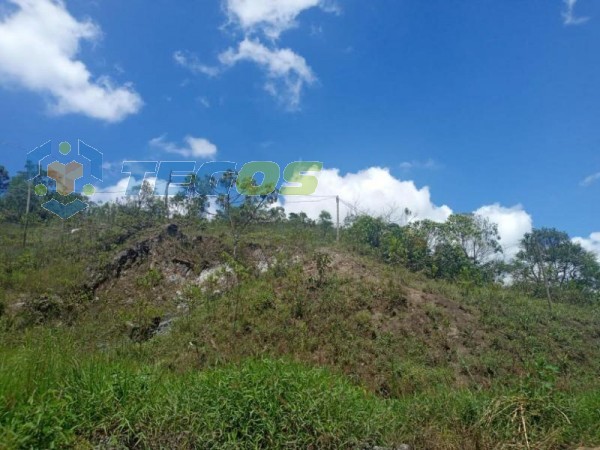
column 489, row 104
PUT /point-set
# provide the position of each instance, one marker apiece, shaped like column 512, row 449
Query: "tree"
column 406, row 245
column 300, row 218
column 277, row 214
column 14, row 201
column 4, row 180
column 549, row 259
column 196, row 194
column 325, row 222
column 367, row 230
column 450, row 262
column 246, row 204
column 475, row 235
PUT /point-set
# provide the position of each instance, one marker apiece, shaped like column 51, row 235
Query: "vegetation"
column 125, row 328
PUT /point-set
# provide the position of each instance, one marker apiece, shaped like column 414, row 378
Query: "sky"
column 479, row 106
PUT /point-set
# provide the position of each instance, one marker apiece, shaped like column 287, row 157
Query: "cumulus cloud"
column 194, row 147
column 592, row 243
column 373, row 191
column 114, row 193
column 376, row 191
column 568, row 14
column 39, row 44
column 272, row 17
column 512, row 223
column 287, row 72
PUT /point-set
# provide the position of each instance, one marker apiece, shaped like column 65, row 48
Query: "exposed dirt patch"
column 451, row 332
column 169, row 254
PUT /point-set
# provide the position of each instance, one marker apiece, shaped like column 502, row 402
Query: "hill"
column 154, row 336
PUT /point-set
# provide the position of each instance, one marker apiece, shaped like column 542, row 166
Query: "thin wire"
column 304, row 201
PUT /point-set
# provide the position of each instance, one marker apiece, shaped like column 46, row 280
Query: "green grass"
column 288, row 359
column 53, row 396
column 51, row 399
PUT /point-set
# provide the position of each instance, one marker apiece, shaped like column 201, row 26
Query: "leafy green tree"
column 549, row 258
column 14, row 202
column 407, row 246
column 196, row 198
column 475, row 235
column 367, row 230
column 277, row 214
column 450, row 262
column 325, row 222
column 4, row 180
column 239, row 210
column 300, row 219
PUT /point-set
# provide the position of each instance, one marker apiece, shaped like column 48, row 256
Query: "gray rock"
column 164, row 327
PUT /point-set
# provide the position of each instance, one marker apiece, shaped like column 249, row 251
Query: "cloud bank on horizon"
column 376, row 191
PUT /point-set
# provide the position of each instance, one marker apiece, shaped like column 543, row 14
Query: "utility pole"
column 27, row 213
column 167, row 194
column 337, row 203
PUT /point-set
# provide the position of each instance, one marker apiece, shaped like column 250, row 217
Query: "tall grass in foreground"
column 53, row 397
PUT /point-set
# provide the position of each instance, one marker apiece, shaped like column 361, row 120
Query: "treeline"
column 466, row 248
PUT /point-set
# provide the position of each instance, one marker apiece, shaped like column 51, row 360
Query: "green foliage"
column 325, row 223
column 550, row 256
column 300, row 219
column 440, row 359
column 462, row 248
column 323, row 262
column 4, row 180
column 259, row 404
column 151, row 279
column 366, row 231
column 531, row 415
column 238, row 210
column 476, row 236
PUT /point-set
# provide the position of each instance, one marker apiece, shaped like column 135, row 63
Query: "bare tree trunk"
column 543, row 273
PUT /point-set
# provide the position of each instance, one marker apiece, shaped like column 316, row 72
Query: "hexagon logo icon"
column 65, row 176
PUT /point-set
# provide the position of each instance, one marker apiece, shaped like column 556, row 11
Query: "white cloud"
column 194, row 148
column 429, row 164
column 203, row 101
column 568, row 14
column 588, row 181
column 272, row 17
column 287, row 72
column 39, row 43
column 591, row 243
column 512, row 223
column 374, row 191
column 111, row 194
column 191, row 62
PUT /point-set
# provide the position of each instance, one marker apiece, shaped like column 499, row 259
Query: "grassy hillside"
column 130, row 336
